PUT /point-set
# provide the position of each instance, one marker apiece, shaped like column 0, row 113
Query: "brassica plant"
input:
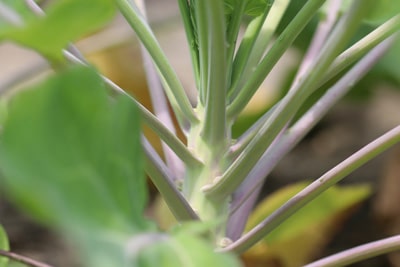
column 73, row 156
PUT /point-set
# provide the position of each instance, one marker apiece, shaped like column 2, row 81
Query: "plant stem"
column 233, row 28
column 330, row 178
column 138, row 23
column 191, row 39
column 22, row 259
column 243, row 141
column 319, row 37
column 274, row 54
column 212, row 51
column 359, row 253
column 162, row 179
column 209, row 139
column 360, row 48
column 289, row 105
column 255, row 42
column 160, row 105
column 247, row 191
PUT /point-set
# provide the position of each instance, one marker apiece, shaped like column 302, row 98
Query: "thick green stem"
column 208, row 209
column 211, row 19
column 209, row 138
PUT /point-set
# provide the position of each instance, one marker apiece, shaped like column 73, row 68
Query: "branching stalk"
column 162, row 179
column 160, row 105
column 321, row 34
column 255, row 43
column 238, row 171
column 246, row 195
column 138, row 23
column 361, row 47
column 330, row 178
column 274, row 54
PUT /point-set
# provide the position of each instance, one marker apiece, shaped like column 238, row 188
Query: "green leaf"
column 294, row 241
column 65, row 21
column 3, row 246
column 71, row 158
column 180, row 249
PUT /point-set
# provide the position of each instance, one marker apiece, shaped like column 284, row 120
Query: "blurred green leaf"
column 182, row 249
column 382, row 11
column 294, row 241
column 3, row 246
column 389, row 65
column 253, row 7
column 65, row 21
column 71, row 157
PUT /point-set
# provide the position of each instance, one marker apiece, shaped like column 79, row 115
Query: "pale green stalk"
column 361, row 47
column 247, row 192
column 256, row 43
column 233, row 28
column 214, row 131
column 344, row 60
column 283, row 42
column 162, row 178
column 209, row 138
column 330, row 178
column 200, row 19
column 238, row 171
column 322, row 32
column 146, row 36
column 160, row 104
column 244, row 50
column 191, row 39
column 360, row 253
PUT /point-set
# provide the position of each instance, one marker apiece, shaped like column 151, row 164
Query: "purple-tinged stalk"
column 359, row 253
column 246, row 195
